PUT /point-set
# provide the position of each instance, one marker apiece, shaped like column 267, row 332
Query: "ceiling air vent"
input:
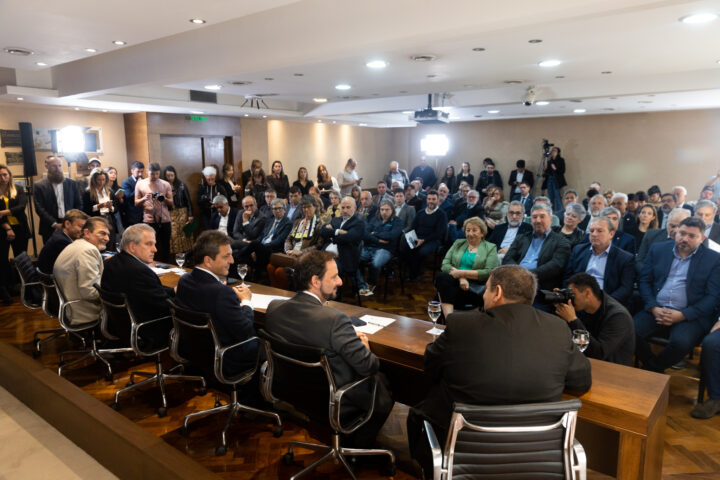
column 205, row 97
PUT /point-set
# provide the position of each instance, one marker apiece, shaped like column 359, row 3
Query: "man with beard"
column 504, row 234
column 305, row 319
column 71, row 230
column 430, row 225
column 668, row 201
column 55, row 195
column 595, row 205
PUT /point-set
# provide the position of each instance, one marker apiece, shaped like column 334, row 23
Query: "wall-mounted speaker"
column 28, row 149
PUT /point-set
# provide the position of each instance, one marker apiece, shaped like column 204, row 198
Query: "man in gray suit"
column 403, row 211
column 305, row 320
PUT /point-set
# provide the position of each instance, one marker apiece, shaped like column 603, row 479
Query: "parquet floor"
column 692, row 447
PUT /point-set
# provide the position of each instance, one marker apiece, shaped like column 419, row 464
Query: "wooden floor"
column 692, row 447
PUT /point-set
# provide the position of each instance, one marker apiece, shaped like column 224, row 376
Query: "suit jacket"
column 622, row 240
column 281, row 232
column 528, row 202
column 133, row 214
column 367, row 216
column 619, row 275
column 427, row 174
column 528, row 177
column 702, row 281
column 297, row 214
column 232, row 218
column 348, row 244
column 462, row 213
column 51, row 250
column 233, row 322
column 146, row 294
column 484, row 181
column 390, row 231
column 714, row 234
column 535, row 366
column 252, row 230
column 305, row 321
column 46, row 203
column 651, row 237
column 17, row 208
column 498, row 233
column 78, row 267
column 553, row 257
column 407, row 215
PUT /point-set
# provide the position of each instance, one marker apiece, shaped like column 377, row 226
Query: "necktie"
column 269, row 236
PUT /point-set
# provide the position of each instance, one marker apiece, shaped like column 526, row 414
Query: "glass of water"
column 242, row 270
column 581, row 338
column 180, row 259
column 434, row 311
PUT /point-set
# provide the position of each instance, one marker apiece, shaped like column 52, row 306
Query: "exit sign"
column 196, row 118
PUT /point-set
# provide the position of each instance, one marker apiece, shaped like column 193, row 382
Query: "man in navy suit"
column 342, row 237
column 524, row 197
column 203, row 290
column 224, row 216
column 504, row 234
column 680, row 286
column 132, row 214
column 620, row 239
column 47, row 193
column 612, row 268
column 367, row 210
column 661, row 235
column 276, row 230
column 468, row 209
column 73, row 224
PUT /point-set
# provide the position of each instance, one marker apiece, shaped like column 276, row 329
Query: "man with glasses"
column 504, row 234
column 468, row 209
column 272, row 240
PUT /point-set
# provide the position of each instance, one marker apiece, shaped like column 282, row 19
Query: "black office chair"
column 195, row 342
column 51, row 307
column 145, row 339
column 534, row 440
column 30, row 289
column 293, row 368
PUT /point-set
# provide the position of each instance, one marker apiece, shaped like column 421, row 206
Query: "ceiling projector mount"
column 255, row 102
column 431, row 116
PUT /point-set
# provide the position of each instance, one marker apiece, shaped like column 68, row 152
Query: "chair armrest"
column 435, row 450
column 579, row 461
column 136, row 327
column 337, row 404
column 220, row 357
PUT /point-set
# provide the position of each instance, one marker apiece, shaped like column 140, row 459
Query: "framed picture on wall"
column 13, row 158
column 42, row 138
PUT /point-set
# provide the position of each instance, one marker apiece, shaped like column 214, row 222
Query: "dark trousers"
column 162, row 240
column 682, row 337
column 417, row 440
column 450, row 292
column 18, row 245
column 364, row 437
column 415, row 258
column 710, row 360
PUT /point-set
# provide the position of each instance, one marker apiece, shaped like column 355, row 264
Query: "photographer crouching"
column 155, row 198
column 584, row 306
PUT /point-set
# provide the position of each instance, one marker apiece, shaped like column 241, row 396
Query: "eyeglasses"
column 515, row 213
column 278, row 208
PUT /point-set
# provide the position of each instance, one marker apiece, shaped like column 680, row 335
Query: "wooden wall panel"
column 136, row 140
column 185, row 154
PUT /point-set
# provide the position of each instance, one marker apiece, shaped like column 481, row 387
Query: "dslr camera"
column 561, row 296
column 158, row 196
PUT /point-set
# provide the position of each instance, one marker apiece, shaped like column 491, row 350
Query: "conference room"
column 625, row 90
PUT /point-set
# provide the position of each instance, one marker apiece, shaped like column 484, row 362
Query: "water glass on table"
column 581, row 338
column 434, row 311
column 242, row 270
column 180, row 259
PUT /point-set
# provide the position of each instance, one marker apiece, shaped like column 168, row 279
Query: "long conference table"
column 621, row 421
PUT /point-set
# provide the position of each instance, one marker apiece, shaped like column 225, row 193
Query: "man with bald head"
column 651, row 237
column 342, row 237
column 54, row 196
column 396, row 174
column 706, row 211
column 367, row 210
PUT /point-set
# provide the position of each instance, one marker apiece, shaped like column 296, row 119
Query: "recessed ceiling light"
column 197, row 21
column 268, row 78
column 91, row 50
column 20, row 99
column 609, row 109
column 423, row 58
column 197, row 112
column 407, row 112
column 104, row 111
column 579, row 110
column 319, row 121
column 478, row 49
column 119, row 42
column 241, row 82
column 247, row 115
column 606, row 72
column 376, row 64
column 213, row 87
column 512, row 82
column 342, row 86
column 264, row 116
column 403, row 91
column 535, row 40
column 493, row 111
column 542, row 103
column 477, row 116
column 697, row 18
column 645, row 101
column 362, row 124
column 319, row 99
column 549, row 63
column 41, row 64
column 76, row 108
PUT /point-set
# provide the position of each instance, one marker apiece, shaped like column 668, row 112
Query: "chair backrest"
column 30, row 292
column 193, row 340
column 50, row 300
column 516, row 441
column 117, row 323
column 296, row 368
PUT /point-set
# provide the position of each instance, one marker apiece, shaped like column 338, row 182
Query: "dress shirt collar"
column 604, row 253
column 210, row 273
column 136, row 258
column 676, row 255
column 430, row 212
column 314, row 296
column 544, row 235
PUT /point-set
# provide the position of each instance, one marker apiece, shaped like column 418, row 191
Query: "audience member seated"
column 544, row 201
column 419, row 189
column 504, row 234
column 445, row 203
column 322, row 202
column 668, row 201
column 489, row 176
column 465, row 175
column 468, row 209
column 654, row 196
column 571, row 196
column 645, row 221
column 72, row 226
column 620, row 239
column 574, row 213
column 333, row 210
column 542, row 251
column 426, row 172
column 596, row 204
column 342, row 237
column 306, row 320
column 680, row 287
column 382, row 236
column 366, row 210
column 224, row 216
column 293, row 210
column 524, row 197
column 466, row 267
column 519, row 176
column 659, row 235
column 627, row 224
column 531, row 352
column 249, row 224
column 396, row 174
column 462, row 191
column 80, row 266
column 208, row 189
column 632, row 203
column 231, row 314
column 272, row 239
column 710, row 361
column 403, row 211
column 706, row 211
column 382, row 193
column 612, row 267
column 49, row 191
column 495, row 207
column 430, row 226
column 412, row 199
column 610, row 325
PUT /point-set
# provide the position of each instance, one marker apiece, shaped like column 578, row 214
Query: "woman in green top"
column 466, row 267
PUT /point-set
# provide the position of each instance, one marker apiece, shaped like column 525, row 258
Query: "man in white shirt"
column 224, row 216
column 504, row 234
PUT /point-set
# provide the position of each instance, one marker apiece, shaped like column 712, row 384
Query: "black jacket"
column 232, row 217
column 51, row 250
column 205, row 195
column 498, row 233
column 553, row 257
column 282, row 230
column 558, row 173
column 619, row 275
column 528, row 177
column 348, row 244
column 485, row 181
column 17, row 208
column 651, row 237
column 46, row 203
column 252, row 230
column 130, row 213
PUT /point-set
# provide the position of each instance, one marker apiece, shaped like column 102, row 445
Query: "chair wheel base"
column 220, row 450
column 202, row 391
column 288, row 458
column 277, row 431
column 35, row 354
column 114, row 406
column 183, row 431
column 162, row 412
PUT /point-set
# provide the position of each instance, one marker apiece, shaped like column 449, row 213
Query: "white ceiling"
column 655, row 61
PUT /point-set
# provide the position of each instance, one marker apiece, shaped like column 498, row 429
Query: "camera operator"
column 612, row 333
column 155, row 198
column 554, row 174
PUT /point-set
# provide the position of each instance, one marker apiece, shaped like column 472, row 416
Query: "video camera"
column 546, row 146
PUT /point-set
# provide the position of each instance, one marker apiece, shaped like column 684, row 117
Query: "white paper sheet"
column 260, row 301
column 375, row 320
column 369, row 328
column 160, row 271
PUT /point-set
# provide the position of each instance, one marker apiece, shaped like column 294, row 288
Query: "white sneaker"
column 365, row 292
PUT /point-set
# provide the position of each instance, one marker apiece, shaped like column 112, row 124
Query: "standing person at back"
column 155, row 197
column 554, row 177
column 425, row 172
column 132, row 214
column 348, row 178
column 55, row 195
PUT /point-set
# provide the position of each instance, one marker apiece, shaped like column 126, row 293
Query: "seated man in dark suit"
column 668, row 202
column 306, row 320
column 203, row 290
column 248, row 226
column 706, row 211
column 471, row 207
column 532, row 355
column 620, row 239
column 660, row 235
column 504, row 234
column 611, row 328
column 223, row 216
column 680, row 287
column 129, row 272
column 342, row 237
column 266, row 209
column 628, row 224
column 542, row 251
column 681, row 197
column 72, row 226
column 47, row 192
column 430, row 225
column 272, row 240
column 367, row 210
column 612, row 268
